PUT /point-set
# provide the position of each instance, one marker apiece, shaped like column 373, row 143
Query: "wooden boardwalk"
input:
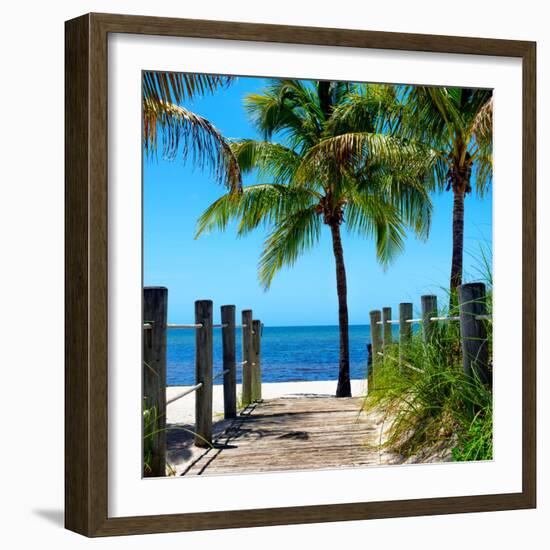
column 294, row 433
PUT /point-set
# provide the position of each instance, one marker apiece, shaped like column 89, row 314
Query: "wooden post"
column 229, row 362
column 375, row 335
column 247, row 357
column 257, row 370
column 369, row 365
column 475, row 353
column 405, row 330
column 429, row 309
column 155, row 310
column 203, row 373
column 386, row 327
column 252, row 365
column 376, row 341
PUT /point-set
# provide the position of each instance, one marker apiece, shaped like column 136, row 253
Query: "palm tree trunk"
column 458, row 242
column 344, row 388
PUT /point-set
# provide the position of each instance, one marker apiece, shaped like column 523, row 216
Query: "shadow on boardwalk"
column 180, row 443
column 303, row 432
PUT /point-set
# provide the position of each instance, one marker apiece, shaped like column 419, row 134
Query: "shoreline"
column 182, row 411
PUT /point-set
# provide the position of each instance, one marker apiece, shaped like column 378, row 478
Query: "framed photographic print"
column 300, row 275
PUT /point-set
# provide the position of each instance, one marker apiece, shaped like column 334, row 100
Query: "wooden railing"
column 155, row 326
column 472, row 317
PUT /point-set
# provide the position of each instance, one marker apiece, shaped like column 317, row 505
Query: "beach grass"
column 431, row 405
column 150, row 427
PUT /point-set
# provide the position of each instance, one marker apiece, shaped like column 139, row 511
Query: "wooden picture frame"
column 86, row 364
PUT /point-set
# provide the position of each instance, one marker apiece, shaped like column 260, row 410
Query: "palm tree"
column 162, row 114
column 336, row 164
column 457, row 123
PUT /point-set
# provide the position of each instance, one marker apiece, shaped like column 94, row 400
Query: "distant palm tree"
column 336, row 164
column 163, row 92
column 457, row 123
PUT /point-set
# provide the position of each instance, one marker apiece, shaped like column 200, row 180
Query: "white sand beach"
column 182, row 411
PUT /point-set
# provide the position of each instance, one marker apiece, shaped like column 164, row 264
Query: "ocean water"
column 288, row 354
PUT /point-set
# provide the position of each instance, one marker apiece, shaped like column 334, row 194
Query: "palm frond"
column 273, row 161
column 260, row 204
column 447, row 102
column 197, row 137
column 366, row 108
column 371, row 217
column 426, row 119
column 407, row 190
column 482, row 126
column 360, row 148
column 171, row 87
column 456, row 122
column 483, row 173
column 290, row 107
column 299, row 232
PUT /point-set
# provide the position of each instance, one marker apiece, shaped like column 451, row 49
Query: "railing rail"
column 184, row 393
column 443, row 318
column 472, row 316
column 190, row 325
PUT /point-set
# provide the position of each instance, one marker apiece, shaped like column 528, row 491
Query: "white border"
column 128, row 493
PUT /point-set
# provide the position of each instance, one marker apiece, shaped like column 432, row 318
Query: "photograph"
column 275, row 275
column 317, row 274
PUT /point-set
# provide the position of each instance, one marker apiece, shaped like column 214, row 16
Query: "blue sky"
column 223, row 268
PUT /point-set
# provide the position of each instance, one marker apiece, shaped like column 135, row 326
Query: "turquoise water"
column 288, row 353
